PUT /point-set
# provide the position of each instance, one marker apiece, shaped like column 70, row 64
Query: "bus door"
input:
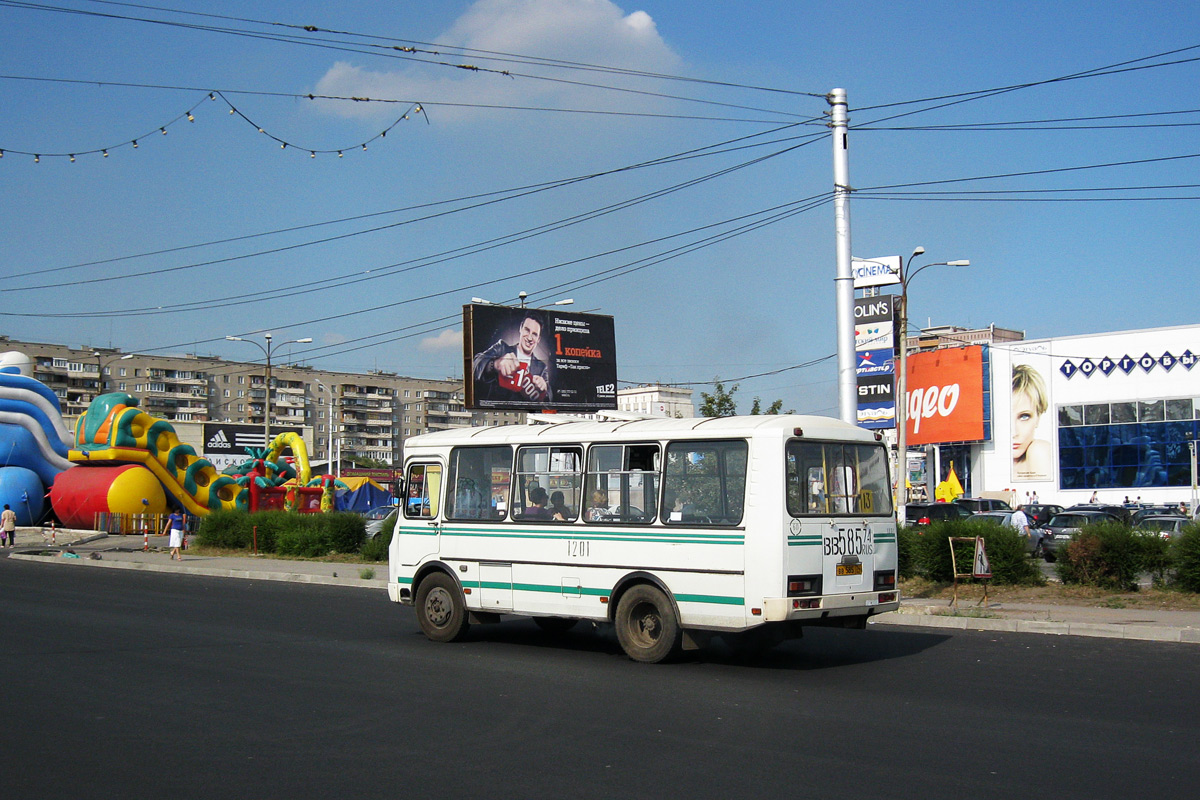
column 420, row 530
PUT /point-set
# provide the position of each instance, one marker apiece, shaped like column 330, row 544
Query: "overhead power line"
column 400, row 53
column 491, row 54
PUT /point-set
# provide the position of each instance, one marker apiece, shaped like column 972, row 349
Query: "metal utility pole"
column 844, row 281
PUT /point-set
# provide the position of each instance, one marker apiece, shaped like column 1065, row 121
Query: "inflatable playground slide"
column 34, row 440
column 128, row 461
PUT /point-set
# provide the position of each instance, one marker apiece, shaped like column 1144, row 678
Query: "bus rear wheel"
column 441, row 612
column 647, row 627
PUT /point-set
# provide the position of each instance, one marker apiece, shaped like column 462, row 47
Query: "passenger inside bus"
column 537, row 504
column 559, row 510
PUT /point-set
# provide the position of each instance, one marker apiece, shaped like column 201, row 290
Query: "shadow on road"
column 820, row 648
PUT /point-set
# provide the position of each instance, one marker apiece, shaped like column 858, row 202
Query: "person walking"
column 8, row 527
column 174, row 529
column 1020, row 521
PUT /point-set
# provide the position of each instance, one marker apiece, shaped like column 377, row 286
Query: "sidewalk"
column 125, row 552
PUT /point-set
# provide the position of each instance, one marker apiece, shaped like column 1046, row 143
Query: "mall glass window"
column 1143, row 444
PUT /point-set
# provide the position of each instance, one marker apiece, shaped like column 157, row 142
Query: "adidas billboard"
column 231, row 444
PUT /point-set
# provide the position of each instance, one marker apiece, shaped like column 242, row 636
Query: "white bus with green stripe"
column 672, row 530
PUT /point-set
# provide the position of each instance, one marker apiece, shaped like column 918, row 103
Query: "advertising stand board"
column 524, row 359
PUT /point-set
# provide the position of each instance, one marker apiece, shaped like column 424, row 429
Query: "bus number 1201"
column 577, row 548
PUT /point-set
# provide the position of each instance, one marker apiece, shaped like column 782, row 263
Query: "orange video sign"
column 945, row 396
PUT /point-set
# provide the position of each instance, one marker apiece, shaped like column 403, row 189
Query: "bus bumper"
column 778, row 609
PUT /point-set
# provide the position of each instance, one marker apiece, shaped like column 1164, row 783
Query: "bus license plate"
column 848, row 569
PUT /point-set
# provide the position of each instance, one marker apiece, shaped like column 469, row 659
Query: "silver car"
column 377, row 523
column 1168, row 526
column 1064, row 525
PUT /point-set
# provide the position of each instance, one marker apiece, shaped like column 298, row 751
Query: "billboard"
column 226, row 443
column 876, row 371
column 1030, row 401
column 945, row 396
column 523, row 359
column 882, row 271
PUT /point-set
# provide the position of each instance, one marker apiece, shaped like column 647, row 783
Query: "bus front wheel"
column 441, row 612
column 647, row 627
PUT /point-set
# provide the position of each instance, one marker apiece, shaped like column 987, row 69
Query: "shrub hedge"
column 284, row 532
column 1111, row 555
column 1185, row 552
column 925, row 551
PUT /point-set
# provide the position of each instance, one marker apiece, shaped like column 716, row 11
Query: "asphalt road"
column 121, row 684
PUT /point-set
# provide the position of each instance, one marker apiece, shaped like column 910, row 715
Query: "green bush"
column 376, row 548
column 284, row 532
column 1111, row 555
column 306, row 539
column 1185, row 552
column 1005, row 550
column 907, row 540
column 224, row 529
column 347, row 530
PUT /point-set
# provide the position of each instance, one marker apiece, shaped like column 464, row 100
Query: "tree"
column 774, row 408
column 720, row 403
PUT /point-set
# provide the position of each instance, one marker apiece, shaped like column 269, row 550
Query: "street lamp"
column 267, row 350
column 100, row 367
column 331, row 447
column 906, row 275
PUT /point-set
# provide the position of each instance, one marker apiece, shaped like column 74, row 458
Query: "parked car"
column 1153, row 511
column 1066, row 524
column 978, row 504
column 1166, row 525
column 379, row 512
column 377, row 526
column 1040, row 513
column 925, row 513
column 1120, row 512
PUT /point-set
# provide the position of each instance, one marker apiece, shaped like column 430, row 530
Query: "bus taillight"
column 885, row 579
column 803, row 585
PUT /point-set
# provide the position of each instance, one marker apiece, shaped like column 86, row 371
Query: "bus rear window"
column 825, row 478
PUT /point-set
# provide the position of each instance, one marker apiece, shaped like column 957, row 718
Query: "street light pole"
column 267, row 350
column 906, row 275
column 100, row 368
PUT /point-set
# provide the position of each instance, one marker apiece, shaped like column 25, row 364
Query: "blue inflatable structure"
column 33, row 441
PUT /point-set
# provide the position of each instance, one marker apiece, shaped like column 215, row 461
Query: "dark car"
column 1066, row 524
column 977, row 504
column 1120, row 512
column 925, row 513
column 1040, row 513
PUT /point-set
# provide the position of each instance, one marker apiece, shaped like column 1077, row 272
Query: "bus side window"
column 424, row 486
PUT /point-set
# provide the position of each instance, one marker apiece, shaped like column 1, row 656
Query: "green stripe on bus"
column 554, row 589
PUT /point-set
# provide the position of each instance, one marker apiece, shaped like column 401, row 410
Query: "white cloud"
column 587, row 31
column 446, row 340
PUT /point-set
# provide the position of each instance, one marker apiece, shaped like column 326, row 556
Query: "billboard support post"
column 906, row 275
column 844, row 280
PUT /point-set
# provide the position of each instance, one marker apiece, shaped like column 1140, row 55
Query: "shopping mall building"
column 1114, row 414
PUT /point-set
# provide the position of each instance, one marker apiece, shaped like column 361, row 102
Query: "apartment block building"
column 360, row 415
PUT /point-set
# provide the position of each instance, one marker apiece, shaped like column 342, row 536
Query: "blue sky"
column 218, row 195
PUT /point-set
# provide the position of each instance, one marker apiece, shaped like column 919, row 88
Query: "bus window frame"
column 825, row 512
column 648, row 517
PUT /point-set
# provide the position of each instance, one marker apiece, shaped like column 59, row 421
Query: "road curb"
column 212, row 572
column 1104, row 630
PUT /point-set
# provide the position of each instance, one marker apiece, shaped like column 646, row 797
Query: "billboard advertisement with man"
column 523, row 359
